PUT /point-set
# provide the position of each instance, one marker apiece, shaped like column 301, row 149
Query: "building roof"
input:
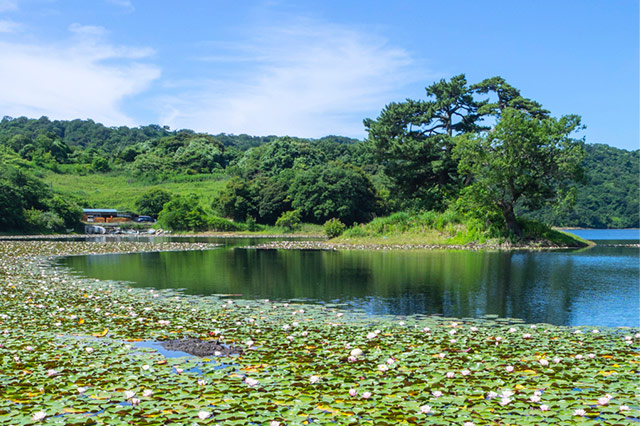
column 100, row 210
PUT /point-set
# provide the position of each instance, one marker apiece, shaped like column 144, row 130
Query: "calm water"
column 595, row 286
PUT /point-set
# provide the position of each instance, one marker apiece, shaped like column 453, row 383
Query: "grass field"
column 120, row 190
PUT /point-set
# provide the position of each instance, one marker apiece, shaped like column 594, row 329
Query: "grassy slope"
column 120, row 190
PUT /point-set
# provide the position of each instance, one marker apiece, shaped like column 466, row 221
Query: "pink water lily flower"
column 579, row 412
column 509, row 368
column 436, row 394
column 353, row 392
column 544, row 407
column 366, row 395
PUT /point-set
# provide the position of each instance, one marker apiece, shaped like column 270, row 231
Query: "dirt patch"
column 199, row 347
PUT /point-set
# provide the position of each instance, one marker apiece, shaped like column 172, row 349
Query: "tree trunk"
column 510, row 219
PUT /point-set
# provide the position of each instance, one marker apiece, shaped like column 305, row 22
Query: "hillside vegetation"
column 418, row 159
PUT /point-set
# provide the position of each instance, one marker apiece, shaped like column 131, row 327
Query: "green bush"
column 40, row 221
column 252, row 225
column 334, row 228
column 289, row 220
column 152, row 201
column 221, row 224
column 183, row 214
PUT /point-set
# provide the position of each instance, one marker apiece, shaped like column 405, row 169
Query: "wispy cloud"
column 306, row 79
column 127, row 5
column 83, row 77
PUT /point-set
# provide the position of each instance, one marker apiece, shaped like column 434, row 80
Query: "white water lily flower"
column 426, row 409
column 509, row 368
column 506, row 393
column 202, row 382
column 436, row 394
column 251, row 382
column 147, row 393
column 371, row 335
column 129, row 394
column 356, row 352
column 203, row 415
column 39, row 415
column 82, row 390
column 314, row 379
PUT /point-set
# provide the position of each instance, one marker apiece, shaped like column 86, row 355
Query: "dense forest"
column 453, row 151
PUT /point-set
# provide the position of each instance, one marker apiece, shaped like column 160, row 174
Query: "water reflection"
column 597, row 286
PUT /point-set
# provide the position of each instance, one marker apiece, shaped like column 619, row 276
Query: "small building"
column 105, row 216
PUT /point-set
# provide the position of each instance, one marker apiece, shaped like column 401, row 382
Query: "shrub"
column 183, row 214
column 223, row 225
column 252, row 225
column 334, row 228
column 289, row 220
column 152, row 201
column 40, row 221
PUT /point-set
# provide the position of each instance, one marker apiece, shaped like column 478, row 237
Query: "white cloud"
column 308, row 79
column 72, row 80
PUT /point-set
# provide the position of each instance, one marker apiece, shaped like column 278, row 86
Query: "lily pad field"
column 80, row 351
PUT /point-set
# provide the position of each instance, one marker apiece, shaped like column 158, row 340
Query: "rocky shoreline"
column 333, row 246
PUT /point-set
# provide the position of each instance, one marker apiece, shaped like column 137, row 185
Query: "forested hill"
column 269, row 164
column 609, row 198
column 88, row 134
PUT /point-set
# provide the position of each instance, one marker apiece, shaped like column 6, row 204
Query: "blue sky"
column 311, row 68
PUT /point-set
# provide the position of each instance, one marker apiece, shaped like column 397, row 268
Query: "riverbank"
column 71, row 351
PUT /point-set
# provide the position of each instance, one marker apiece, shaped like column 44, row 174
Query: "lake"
column 597, row 286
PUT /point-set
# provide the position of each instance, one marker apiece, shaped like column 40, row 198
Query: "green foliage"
column 252, row 225
column 609, row 196
column 100, row 164
column 279, row 155
column 289, row 220
column 221, row 224
column 334, row 228
column 522, row 160
column 183, row 214
column 507, row 97
column 67, row 210
column 152, row 201
column 335, row 190
column 413, row 140
column 47, row 221
column 236, row 200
